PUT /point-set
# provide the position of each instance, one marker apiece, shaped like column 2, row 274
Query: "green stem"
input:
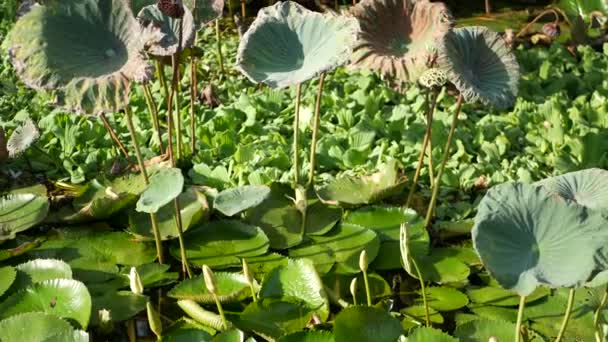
column 220, row 310
column 144, row 173
column 296, row 134
column 520, row 318
column 368, row 293
column 180, row 237
column 253, row 294
column 425, row 144
column 331, row 294
column 596, row 317
column 243, row 9
column 160, row 70
column 193, row 94
column 446, row 156
column 427, row 314
column 154, row 113
column 178, row 117
column 315, row 131
column 218, row 37
column 113, row 135
column 562, row 329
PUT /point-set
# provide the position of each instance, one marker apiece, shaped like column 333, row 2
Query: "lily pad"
column 308, row 336
column 426, row 334
column 221, row 244
column 260, row 266
column 231, row 287
column 271, row 318
column 501, row 297
column 20, row 212
column 167, row 30
column 233, row 201
column 164, row 187
column 288, row 44
column 588, row 188
column 7, row 277
column 122, row 305
column 444, row 298
column 415, row 315
column 525, row 235
column 321, row 218
column 39, row 270
column 153, row 274
column 232, row 335
column 583, row 8
column 32, row 326
column 364, row 324
column 64, row 298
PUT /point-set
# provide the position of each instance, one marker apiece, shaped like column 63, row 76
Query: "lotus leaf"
column 153, row 274
column 186, row 334
column 221, row 244
column 481, row 66
column 288, row 44
column 7, row 277
column 167, row 38
column 122, row 305
column 19, row 212
column 583, row 8
column 231, row 287
column 364, row 323
column 23, row 137
column 321, row 218
column 72, row 336
column 164, row 187
column 232, row 335
column 298, row 279
column 233, row 201
column 33, row 326
column 524, row 236
column 271, row 318
column 88, row 49
column 206, row 10
column 65, row 298
column 39, row 270
column 588, row 188
column 398, row 36
column 500, row 297
column 417, row 314
column 264, row 264
column 308, row 336
column 444, row 298
column 424, row 334
column 483, row 329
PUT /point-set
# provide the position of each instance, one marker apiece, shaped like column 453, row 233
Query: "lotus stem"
column 537, row 18
column 153, row 113
column 160, row 70
column 446, row 155
column 220, row 56
column 520, row 318
column 427, row 314
column 243, row 9
column 596, row 317
column 430, row 163
column 113, row 135
column 193, row 93
column 315, row 131
column 296, row 134
column 425, row 144
column 250, row 280
column 336, row 5
column 562, row 329
column 144, row 173
column 488, row 7
column 230, row 10
column 335, row 298
column 131, row 332
column 178, row 118
column 363, row 265
column 180, row 237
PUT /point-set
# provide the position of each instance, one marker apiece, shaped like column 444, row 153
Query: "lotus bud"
column 552, row 30
column 135, row 282
column 105, row 321
column 353, row 287
column 433, row 78
column 209, row 279
column 247, row 272
column 493, row 339
column 363, row 261
column 154, row 320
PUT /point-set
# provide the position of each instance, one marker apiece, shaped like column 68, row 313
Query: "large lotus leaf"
column 164, row 187
column 222, row 244
column 72, row 336
column 39, row 270
column 19, row 212
column 235, row 200
column 288, row 44
column 342, row 245
column 386, row 221
column 308, row 336
column 65, row 298
column 481, row 65
column 525, row 235
column 588, row 188
column 193, row 208
column 7, row 277
column 32, row 326
column 354, row 191
column 364, row 324
column 298, row 279
column 167, row 41
column 583, row 8
column 278, row 217
column 231, row 287
column 88, row 49
column 444, row 298
column 398, row 36
column 122, row 305
column 271, row 318
column 482, row 329
column 427, row 334
column 186, row 334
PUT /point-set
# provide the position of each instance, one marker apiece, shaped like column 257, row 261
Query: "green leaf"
column 206, row 10
column 164, row 186
column 39, row 270
column 64, row 298
column 444, row 298
column 272, row 318
column 123, row 305
column 417, row 314
column 364, row 323
column 305, row 44
column 321, row 218
column 231, row 287
column 233, row 201
column 386, row 221
column 32, row 326
column 298, row 279
column 426, row 334
column 221, row 244
column 308, row 336
column 483, row 329
column 501, row 297
column 153, row 274
column 185, row 332
column 232, row 335
column 7, row 277
column 20, row 212
column 583, row 8
column 588, row 188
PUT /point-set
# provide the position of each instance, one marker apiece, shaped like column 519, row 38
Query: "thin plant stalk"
column 427, row 139
column 296, row 134
column 520, row 318
column 315, row 131
column 144, row 173
column 243, row 9
column 562, row 329
column 220, row 310
column 160, row 70
column 427, row 314
column 488, row 7
column 113, row 135
column 368, row 293
column 446, row 156
column 178, row 117
column 153, row 109
column 193, row 92
column 430, row 163
column 596, row 317
column 218, row 37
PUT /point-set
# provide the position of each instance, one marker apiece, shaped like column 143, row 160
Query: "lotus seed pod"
column 209, row 279
column 154, row 320
column 363, row 261
column 552, row 30
column 135, row 282
column 247, row 272
column 353, row 287
column 171, row 8
column 433, row 78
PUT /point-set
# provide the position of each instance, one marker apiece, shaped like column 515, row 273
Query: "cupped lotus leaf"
column 231, row 287
column 355, row 191
column 288, row 44
column 481, row 65
column 222, row 244
column 588, row 188
column 164, row 187
column 32, row 326
column 122, row 305
column 364, row 324
column 205, row 11
column 427, row 334
column 308, row 336
column 39, row 270
column 232, row 335
column 193, row 208
column 298, row 279
column 235, row 200
column 66, row 298
column 167, row 37
column 398, row 36
column 444, row 298
column 23, row 137
column 19, row 212
column 524, row 236
column 88, row 49
column 7, row 277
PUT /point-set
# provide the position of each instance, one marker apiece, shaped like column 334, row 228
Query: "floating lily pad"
column 167, row 30
column 340, row 284
column 64, row 298
column 184, row 331
column 7, row 277
column 364, row 323
column 122, row 305
column 232, row 335
column 588, row 188
column 164, row 187
column 231, row 287
column 444, row 298
column 386, row 221
column 308, row 336
column 483, row 329
column 260, row 266
column 288, row 44
column 426, row 334
column 153, row 274
column 33, row 326
column 20, row 212
column 221, row 244
column 321, row 218
column 233, row 201
column 271, row 318
column 501, row 297
column 417, row 314
column 39, row 270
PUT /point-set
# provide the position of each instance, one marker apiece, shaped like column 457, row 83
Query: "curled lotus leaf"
column 203, row 11
column 166, row 30
column 398, row 36
column 22, row 138
column 89, row 50
column 588, row 188
column 481, row 65
column 288, row 44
